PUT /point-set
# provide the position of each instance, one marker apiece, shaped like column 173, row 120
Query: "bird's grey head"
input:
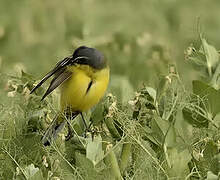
column 89, row 56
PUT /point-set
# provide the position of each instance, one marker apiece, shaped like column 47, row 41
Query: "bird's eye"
column 80, row 60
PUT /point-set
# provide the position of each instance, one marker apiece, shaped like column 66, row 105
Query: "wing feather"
column 56, row 81
column 58, row 68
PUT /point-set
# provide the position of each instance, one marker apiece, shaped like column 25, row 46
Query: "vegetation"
column 146, row 127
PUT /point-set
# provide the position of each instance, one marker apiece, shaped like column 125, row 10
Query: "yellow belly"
column 74, row 91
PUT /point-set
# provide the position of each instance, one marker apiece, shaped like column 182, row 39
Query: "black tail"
column 53, row 130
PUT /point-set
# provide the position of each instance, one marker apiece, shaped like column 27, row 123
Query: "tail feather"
column 54, row 129
column 51, row 133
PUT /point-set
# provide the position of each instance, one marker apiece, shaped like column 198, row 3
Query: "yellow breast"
column 75, row 93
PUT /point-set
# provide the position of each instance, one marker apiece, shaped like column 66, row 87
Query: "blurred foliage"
column 161, row 133
column 151, row 126
column 139, row 39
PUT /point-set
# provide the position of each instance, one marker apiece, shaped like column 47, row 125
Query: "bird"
column 83, row 78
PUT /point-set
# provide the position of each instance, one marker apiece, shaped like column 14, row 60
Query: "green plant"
column 160, row 133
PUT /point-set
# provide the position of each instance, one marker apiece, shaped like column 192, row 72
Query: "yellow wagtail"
column 83, row 79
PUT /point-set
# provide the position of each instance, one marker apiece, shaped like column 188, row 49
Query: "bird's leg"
column 84, row 122
column 70, row 132
column 90, row 125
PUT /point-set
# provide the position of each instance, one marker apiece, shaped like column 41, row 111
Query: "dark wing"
column 58, row 68
column 59, row 78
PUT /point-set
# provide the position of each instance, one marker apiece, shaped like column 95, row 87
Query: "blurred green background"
column 139, row 38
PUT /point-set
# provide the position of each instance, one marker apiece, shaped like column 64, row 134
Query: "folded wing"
column 56, row 81
column 61, row 75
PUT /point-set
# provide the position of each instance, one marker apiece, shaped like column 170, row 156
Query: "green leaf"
column 215, row 82
column 205, row 107
column 212, row 156
column 86, row 166
column 152, row 92
column 194, row 116
column 197, row 59
column 170, row 139
column 162, row 124
column 162, row 87
column 183, row 128
column 94, row 150
column 26, row 77
column 33, row 173
column 158, row 130
column 142, row 163
column 211, row 149
column 212, row 56
column 148, row 97
column 217, row 119
column 179, row 162
column 210, row 95
column 211, row 176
